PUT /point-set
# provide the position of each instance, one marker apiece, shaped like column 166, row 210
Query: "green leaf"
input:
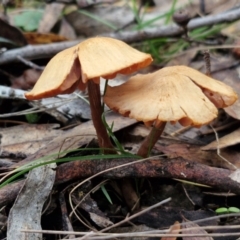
column 32, row 117
column 28, row 20
column 5, row 40
column 98, row 19
column 221, row 210
column 233, row 210
column 106, row 194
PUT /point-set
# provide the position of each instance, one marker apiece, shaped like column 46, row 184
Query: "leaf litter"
column 25, row 143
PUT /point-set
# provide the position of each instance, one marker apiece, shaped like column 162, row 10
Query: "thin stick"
column 207, row 62
column 137, row 214
column 154, row 233
column 30, row 64
column 219, row 151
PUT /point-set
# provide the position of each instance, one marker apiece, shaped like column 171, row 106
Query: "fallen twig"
column 152, row 168
column 43, row 51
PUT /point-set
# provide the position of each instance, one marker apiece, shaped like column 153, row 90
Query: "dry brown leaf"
column 192, row 152
column 27, row 80
column 43, row 38
column 66, row 30
column 28, row 132
column 184, row 58
column 230, row 139
column 140, row 131
column 89, row 27
column 84, row 201
column 129, row 194
column 235, row 175
column 198, row 230
column 230, row 76
column 51, row 15
column 233, row 110
column 174, row 229
column 23, row 140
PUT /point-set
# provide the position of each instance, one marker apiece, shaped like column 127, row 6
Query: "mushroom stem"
column 96, row 112
column 151, row 139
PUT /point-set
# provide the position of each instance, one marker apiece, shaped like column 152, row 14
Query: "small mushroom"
column 177, row 93
column 83, row 65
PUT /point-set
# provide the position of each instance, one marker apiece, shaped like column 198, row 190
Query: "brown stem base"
column 97, row 111
column 151, row 139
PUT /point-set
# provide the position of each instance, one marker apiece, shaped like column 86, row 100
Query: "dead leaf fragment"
column 230, row 76
column 27, row 209
column 28, row 140
column 129, row 194
column 76, row 137
column 193, row 152
column 100, row 221
column 51, row 15
column 174, row 229
column 230, row 139
column 235, row 176
column 27, row 80
column 197, row 230
column 43, row 38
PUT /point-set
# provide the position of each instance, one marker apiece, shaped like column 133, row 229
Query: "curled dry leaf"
column 43, row 38
column 177, row 93
column 230, row 139
column 174, row 229
column 195, row 229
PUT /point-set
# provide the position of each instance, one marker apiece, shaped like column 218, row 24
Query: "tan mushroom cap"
column 106, row 57
column 98, row 57
column 170, row 94
column 60, row 76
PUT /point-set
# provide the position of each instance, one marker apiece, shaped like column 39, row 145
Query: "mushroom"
column 83, row 65
column 176, row 93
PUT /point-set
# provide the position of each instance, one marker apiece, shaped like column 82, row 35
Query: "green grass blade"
column 106, row 194
column 98, row 19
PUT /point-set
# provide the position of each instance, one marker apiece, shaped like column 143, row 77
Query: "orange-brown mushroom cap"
column 170, row 94
column 90, row 59
column 106, row 57
column 61, row 75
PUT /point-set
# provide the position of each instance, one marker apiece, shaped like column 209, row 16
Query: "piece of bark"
column 66, row 223
column 27, row 209
column 161, row 168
